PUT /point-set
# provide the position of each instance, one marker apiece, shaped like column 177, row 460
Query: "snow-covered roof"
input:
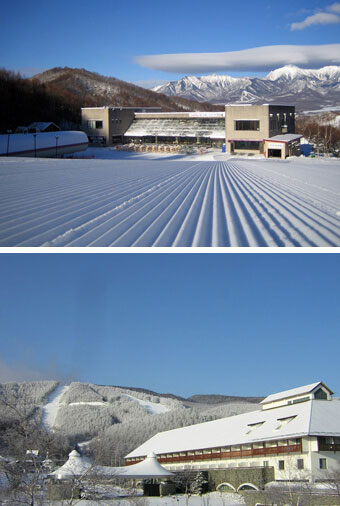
column 318, row 417
column 42, row 125
column 28, row 143
column 78, row 465
column 148, row 468
column 306, row 389
column 284, row 137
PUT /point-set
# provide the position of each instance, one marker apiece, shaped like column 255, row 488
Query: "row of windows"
column 255, row 448
column 299, row 464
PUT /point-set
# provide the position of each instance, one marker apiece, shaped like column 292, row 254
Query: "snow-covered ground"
column 132, row 199
column 50, row 409
column 210, row 499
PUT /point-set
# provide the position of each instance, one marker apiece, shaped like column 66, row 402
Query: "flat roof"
column 284, row 138
column 123, row 108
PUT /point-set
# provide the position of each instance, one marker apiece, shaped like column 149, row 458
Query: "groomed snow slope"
column 143, row 202
column 152, row 408
column 50, row 409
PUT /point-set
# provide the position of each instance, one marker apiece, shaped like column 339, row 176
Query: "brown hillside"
column 92, row 89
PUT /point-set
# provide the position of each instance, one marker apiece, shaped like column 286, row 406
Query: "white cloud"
column 321, row 18
column 260, row 59
column 334, row 7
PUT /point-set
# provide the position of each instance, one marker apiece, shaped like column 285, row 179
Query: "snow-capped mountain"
column 307, row 89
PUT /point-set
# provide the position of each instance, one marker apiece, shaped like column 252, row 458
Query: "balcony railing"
column 222, row 455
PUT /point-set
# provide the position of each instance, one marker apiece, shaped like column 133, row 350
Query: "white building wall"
column 311, row 463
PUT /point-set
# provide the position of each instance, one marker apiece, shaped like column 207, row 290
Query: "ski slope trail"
column 50, row 410
column 115, row 203
column 152, row 408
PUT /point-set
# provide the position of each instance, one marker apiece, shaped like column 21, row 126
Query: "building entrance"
column 274, row 153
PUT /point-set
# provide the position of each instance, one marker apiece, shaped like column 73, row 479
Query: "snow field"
column 164, row 202
column 50, row 409
column 210, row 499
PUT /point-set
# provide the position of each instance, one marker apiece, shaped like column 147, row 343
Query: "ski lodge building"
column 295, row 436
column 262, row 129
column 265, row 129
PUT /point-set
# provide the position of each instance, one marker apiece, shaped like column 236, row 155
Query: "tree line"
column 320, row 132
column 23, row 101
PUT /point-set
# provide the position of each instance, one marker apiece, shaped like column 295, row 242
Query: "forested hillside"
column 108, row 421
column 23, row 101
column 96, row 90
column 58, row 94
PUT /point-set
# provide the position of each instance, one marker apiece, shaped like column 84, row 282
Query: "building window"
column 322, row 463
column 247, row 145
column 94, row 123
column 320, row 394
column 266, row 463
column 281, row 465
column 302, row 399
column 300, row 464
column 246, row 124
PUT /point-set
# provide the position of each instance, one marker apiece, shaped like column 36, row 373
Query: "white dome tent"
column 148, row 468
column 75, row 466
column 78, row 466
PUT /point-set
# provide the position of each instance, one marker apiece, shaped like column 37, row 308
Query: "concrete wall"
column 119, row 122
column 332, row 464
column 258, row 476
column 98, row 114
column 115, row 121
column 274, row 120
column 254, row 112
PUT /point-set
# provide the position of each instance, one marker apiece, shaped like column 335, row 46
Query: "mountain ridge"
column 96, row 90
column 208, row 398
column 288, row 85
column 115, row 420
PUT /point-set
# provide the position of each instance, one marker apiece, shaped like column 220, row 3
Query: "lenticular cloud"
column 259, row 59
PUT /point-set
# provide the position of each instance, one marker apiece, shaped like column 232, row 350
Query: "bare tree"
column 26, row 444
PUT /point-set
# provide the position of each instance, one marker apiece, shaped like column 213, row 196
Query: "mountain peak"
column 308, row 89
column 287, row 72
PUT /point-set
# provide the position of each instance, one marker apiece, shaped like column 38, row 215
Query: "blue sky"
column 237, row 324
column 112, row 38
